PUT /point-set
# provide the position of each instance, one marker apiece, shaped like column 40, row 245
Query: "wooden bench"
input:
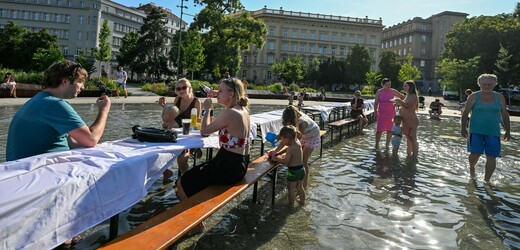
column 166, row 228
column 322, row 136
column 339, row 125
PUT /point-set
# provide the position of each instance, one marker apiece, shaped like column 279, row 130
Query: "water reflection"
column 360, row 197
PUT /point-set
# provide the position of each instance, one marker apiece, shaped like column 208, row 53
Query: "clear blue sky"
column 391, row 11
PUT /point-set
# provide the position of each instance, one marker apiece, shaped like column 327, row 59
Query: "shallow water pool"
column 358, row 197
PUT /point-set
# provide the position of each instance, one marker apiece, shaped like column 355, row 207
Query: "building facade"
column 310, row 35
column 424, row 39
column 77, row 23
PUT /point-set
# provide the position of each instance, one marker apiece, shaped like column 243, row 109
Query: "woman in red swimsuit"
column 229, row 165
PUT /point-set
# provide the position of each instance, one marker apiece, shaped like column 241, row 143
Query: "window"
column 270, row 59
column 67, row 18
column 58, row 18
column 405, row 40
column 65, row 50
column 333, row 38
column 295, row 34
column 351, row 38
column 343, row 39
column 81, row 19
column 423, row 63
column 304, row 35
column 47, row 17
column 323, row 37
column 36, row 16
column 311, row 48
column 269, row 75
column 423, row 51
column 294, row 47
column 341, row 51
column 82, row 4
column 410, row 39
column 255, row 59
column 423, row 38
column 285, row 33
column 271, row 31
column 322, row 49
column 58, row 2
column 404, row 51
column 302, row 48
column 270, row 45
column 66, row 35
column 244, row 73
column 333, row 50
column 400, row 41
column 285, row 47
column 360, row 39
column 246, row 59
column 312, row 36
column 254, row 75
column 373, row 40
column 69, row 4
column 80, row 35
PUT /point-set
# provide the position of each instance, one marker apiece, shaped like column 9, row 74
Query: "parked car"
column 450, row 94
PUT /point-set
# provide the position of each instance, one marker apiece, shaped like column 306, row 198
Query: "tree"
column 45, row 57
column 228, row 33
column 332, row 71
column 193, row 57
column 292, row 70
column 408, row 71
column 373, row 78
column 358, row 64
column 151, row 46
column 87, row 64
column 10, row 45
column 389, row 66
column 128, row 52
column 459, row 74
column 40, row 50
column 504, row 68
column 102, row 53
column 312, row 70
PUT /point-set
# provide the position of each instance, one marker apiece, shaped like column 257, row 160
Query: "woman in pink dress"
column 409, row 106
column 385, row 110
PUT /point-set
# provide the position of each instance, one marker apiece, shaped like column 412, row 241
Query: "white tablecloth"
column 49, row 198
column 267, row 122
column 327, row 108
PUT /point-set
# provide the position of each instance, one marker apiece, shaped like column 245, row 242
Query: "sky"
column 391, row 11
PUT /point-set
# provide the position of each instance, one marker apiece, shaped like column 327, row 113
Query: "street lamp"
column 180, row 35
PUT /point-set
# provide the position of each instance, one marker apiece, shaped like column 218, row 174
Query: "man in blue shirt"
column 47, row 123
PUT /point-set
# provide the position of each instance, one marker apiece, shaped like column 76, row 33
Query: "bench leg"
column 273, row 194
column 255, row 192
column 114, row 227
column 321, row 146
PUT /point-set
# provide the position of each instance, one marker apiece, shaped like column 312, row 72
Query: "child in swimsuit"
column 397, row 134
column 294, row 160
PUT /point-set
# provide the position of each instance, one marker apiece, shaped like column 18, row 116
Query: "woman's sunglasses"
column 181, row 88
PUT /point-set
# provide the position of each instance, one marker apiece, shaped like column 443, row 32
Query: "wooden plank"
column 164, row 229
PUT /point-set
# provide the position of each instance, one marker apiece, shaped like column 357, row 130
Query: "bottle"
column 193, row 116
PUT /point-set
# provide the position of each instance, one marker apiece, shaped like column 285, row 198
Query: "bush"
column 276, row 87
column 24, row 77
column 368, row 90
column 294, row 87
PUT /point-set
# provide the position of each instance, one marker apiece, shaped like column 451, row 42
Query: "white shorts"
column 311, row 142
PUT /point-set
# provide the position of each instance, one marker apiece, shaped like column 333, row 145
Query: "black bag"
column 153, row 134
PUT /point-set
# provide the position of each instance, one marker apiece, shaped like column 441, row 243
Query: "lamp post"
column 180, row 35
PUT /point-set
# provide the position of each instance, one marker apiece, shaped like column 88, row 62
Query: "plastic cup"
column 186, row 126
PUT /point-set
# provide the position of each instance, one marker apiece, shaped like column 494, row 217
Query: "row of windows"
column 352, row 38
column 400, row 41
column 124, row 28
column 268, row 75
column 68, row 3
column 36, row 16
column 319, row 49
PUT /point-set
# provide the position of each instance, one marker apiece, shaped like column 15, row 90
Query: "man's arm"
column 505, row 118
column 89, row 136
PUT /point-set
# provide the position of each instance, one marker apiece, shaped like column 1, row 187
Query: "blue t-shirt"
column 40, row 126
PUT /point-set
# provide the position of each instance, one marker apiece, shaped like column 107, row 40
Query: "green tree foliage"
column 408, row 71
column 27, row 50
column 151, row 46
column 102, row 53
column 373, row 78
column 357, row 65
column 332, row 71
column 484, row 36
column 10, row 45
column 292, row 70
column 504, row 68
column 459, row 74
column 87, row 64
column 312, row 70
column 193, row 57
column 389, row 66
column 128, row 52
column 227, row 35
column 174, row 52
